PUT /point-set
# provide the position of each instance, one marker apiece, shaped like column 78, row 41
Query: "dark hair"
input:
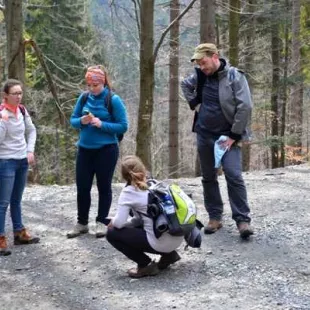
column 11, row 83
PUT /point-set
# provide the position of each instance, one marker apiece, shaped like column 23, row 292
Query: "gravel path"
column 271, row 271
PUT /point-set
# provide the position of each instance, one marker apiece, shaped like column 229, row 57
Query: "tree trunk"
column 207, row 21
column 275, row 56
column 144, row 132
column 234, row 21
column 234, row 24
column 2, row 52
column 147, row 65
column 14, row 35
column 57, row 155
column 297, row 88
column 208, row 34
column 174, row 92
column 249, row 60
column 284, row 88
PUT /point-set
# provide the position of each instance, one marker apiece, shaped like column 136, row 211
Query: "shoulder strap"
column 144, row 214
column 231, row 73
column 108, row 100
column 84, row 98
column 22, row 110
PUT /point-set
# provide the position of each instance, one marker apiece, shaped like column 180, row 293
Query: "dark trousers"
column 232, row 167
column 133, row 243
column 100, row 162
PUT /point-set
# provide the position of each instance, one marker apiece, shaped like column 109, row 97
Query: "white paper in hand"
column 219, row 150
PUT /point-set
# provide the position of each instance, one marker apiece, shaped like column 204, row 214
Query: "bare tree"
column 249, row 60
column 275, row 55
column 174, row 91
column 15, row 44
column 284, row 86
column 296, row 104
column 234, row 21
column 207, row 21
column 147, row 65
column 207, row 34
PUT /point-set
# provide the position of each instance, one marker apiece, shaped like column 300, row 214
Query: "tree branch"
column 169, row 27
column 137, row 16
column 2, row 7
column 38, row 6
column 48, row 77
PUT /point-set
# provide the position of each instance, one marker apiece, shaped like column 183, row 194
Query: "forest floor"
column 270, row 271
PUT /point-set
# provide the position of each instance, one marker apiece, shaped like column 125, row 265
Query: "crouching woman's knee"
column 111, row 235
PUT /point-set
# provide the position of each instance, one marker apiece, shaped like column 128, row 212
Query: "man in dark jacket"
column 221, row 97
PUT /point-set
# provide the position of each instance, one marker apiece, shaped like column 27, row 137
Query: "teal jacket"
column 113, row 124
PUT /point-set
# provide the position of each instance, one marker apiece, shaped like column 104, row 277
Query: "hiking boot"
column 77, row 230
column 101, row 230
column 245, row 230
column 213, row 226
column 4, row 247
column 24, row 237
column 168, row 259
column 150, row 270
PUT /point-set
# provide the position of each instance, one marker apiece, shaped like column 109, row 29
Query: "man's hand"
column 228, row 143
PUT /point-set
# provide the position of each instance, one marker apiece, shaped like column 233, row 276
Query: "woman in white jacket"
column 17, row 142
column 135, row 237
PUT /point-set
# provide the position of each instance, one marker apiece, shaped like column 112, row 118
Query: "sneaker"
column 101, row 230
column 77, row 230
column 245, row 230
column 213, row 226
column 24, row 237
column 4, row 247
column 150, row 270
column 168, row 259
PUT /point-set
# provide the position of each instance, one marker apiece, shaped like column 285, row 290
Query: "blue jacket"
column 92, row 137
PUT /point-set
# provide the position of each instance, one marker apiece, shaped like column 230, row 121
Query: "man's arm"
column 189, row 86
column 242, row 96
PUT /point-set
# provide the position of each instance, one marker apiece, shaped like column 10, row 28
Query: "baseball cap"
column 202, row 49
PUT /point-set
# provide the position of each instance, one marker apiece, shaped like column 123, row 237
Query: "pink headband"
column 94, row 75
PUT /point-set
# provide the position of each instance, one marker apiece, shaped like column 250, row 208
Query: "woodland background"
column 146, row 46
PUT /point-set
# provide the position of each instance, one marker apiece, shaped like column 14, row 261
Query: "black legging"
column 133, row 243
column 100, row 163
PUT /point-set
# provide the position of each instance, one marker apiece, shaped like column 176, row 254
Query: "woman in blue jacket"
column 98, row 150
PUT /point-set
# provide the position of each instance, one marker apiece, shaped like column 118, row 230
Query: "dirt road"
column 271, row 271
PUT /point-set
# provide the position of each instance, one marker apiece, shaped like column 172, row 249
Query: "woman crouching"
column 135, row 237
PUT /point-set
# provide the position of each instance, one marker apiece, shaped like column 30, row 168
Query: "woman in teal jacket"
column 98, row 150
